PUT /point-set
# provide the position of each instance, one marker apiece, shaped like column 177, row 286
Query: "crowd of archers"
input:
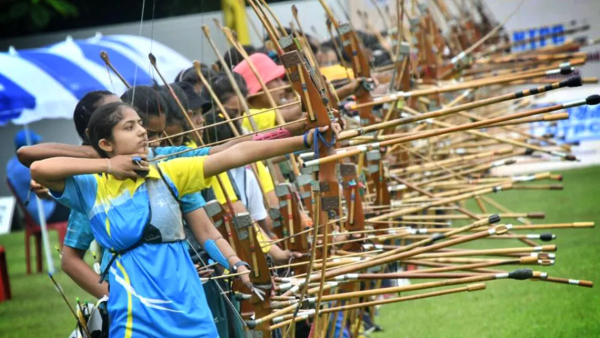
column 209, row 227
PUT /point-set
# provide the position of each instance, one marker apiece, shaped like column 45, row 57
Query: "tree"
column 23, row 17
column 29, row 16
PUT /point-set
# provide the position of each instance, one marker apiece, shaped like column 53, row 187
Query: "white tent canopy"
column 48, row 82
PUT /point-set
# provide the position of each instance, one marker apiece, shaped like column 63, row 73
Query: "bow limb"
column 271, row 30
column 247, row 233
column 232, row 38
column 244, row 103
column 337, row 48
column 263, row 4
column 351, row 45
column 325, row 85
column 327, row 199
column 289, row 214
column 380, row 12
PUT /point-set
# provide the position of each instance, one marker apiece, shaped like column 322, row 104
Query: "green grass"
column 509, row 308
column 506, row 309
column 36, row 308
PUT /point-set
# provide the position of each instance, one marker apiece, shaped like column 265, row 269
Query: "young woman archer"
column 154, row 286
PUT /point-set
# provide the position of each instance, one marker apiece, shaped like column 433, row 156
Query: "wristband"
column 305, row 139
column 272, row 135
column 210, row 246
column 236, row 266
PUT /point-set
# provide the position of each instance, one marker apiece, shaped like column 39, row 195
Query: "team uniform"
column 79, row 232
column 155, row 289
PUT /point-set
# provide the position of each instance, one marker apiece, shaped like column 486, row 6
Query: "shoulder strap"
column 162, row 176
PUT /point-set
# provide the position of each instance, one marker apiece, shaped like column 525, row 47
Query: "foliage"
column 22, row 17
column 34, row 15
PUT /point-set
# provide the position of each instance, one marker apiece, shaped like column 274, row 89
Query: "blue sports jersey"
column 79, row 233
column 155, row 289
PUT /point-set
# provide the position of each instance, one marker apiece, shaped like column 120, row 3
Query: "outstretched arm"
column 296, row 128
column 30, row 154
column 249, row 152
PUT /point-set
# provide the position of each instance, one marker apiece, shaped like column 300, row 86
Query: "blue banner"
column 583, row 124
column 537, row 43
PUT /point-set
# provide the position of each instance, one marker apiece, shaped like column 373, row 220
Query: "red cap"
column 265, row 67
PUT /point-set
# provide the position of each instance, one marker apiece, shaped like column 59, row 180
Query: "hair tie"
column 109, row 168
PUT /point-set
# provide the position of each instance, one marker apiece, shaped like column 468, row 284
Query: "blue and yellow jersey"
column 79, row 232
column 223, row 176
column 155, row 289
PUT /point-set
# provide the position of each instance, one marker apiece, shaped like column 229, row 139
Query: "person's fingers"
column 205, row 273
column 336, row 129
column 144, row 163
column 142, row 168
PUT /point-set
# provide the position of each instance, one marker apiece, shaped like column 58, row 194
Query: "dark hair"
column 223, row 87
column 174, row 115
column 147, row 100
column 189, row 75
column 219, row 132
column 170, row 103
column 369, row 40
column 381, row 58
column 84, row 109
column 102, row 122
column 233, row 57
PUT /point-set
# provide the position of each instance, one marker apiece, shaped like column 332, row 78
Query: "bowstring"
column 110, row 78
column 228, row 301
column 150, row 68
column 140, row 35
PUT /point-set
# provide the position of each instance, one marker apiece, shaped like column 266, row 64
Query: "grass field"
column 509, row 308
column 506, row 309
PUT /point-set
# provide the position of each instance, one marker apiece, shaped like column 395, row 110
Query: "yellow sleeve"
column 336, row 72
column 190, row 144
column 228, row 188
column 264, row 178
column 265, row 120
column 187, row 174
column 263, row 241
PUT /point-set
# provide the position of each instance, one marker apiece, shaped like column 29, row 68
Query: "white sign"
column 7, row 207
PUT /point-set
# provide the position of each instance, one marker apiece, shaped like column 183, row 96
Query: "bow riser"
column 222, row 220
column 352, row 195
column 360, row 67
column 291, row 221
column 246, row 233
